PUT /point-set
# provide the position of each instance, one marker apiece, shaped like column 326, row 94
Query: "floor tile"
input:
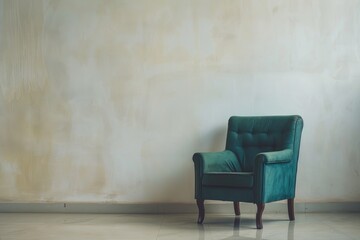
column 177, row 226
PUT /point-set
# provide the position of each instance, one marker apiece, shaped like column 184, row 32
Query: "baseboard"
column 219, row 208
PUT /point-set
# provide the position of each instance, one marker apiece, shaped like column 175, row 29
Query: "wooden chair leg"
column 201, row 207
column 260, row 210
column 290, row 204
column 237, row 208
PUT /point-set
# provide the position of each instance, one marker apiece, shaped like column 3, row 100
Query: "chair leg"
column 260, row 210
column 237, row 208
column 200, row 204
column 290, row 204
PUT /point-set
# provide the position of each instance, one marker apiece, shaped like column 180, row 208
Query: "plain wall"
column 106, row 101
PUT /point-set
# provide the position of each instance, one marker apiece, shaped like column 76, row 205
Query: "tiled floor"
column 118, row 226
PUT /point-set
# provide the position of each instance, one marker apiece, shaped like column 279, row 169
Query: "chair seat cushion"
column 228, row 179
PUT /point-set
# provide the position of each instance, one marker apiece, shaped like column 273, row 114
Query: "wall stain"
column 22, row 64
column 27, row 142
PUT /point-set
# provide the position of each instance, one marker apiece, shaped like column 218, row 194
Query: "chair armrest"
column 225, row 161
column 283, row 156
column 269, row 165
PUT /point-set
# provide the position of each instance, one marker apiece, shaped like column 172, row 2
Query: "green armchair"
column 258, row 165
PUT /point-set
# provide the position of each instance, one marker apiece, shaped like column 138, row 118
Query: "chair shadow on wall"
column 236, row 232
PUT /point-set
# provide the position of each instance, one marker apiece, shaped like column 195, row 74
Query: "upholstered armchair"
column 258, row 165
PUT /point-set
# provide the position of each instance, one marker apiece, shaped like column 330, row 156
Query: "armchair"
column 258, row 165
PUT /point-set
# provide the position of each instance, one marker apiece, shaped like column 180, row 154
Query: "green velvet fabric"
column 229, row 179
column 225, row 161
column 228, row 194
column 259, row 163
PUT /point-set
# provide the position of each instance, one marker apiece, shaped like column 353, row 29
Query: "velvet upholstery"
column 258, row 165
column 229, row 179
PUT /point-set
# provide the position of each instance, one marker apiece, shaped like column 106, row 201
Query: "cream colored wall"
column 106, row 101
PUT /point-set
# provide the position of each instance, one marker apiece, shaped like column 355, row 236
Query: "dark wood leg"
column 260, row 210
column 290, row 203
column 200, row 204
column 237, row 208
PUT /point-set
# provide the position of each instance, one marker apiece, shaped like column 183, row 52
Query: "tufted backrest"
column 248, row 136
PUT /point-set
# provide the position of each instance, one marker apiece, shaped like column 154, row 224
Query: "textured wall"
column 106, row 101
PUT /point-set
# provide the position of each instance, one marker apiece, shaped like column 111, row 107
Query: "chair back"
column 248, row 136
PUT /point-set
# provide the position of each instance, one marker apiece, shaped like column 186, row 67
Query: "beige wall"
column 106, row 101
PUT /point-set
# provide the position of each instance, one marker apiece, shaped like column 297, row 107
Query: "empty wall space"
column 106, row 101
